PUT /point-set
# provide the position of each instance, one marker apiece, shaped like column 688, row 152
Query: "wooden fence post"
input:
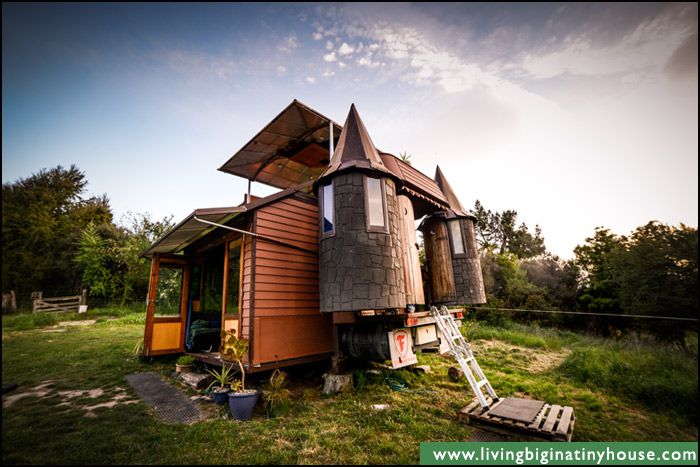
column 36, row 296
column 83, row 297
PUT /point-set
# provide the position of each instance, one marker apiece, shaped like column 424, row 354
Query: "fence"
column 70, row 303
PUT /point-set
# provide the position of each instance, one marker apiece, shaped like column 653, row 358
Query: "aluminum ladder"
column 462, row 352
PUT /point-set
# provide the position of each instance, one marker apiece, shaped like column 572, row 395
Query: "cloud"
column 329, row 45
column 683, row 63
column 649, row 45
column 281, row 69
column 288, row 44
column 330, row 57
column 342, row 64
column 310, row 79
column 368, row 62
column 328, row 73
column 345, row 49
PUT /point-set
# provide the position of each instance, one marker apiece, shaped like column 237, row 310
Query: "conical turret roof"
column 355, row 148
column 455, row 206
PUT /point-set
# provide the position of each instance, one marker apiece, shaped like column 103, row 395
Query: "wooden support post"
column 83, row 297
column 34, row 298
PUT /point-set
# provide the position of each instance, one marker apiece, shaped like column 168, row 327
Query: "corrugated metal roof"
column 291, row 149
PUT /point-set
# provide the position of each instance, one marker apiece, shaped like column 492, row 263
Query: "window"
column 375, row 204
column 456, row 237
column 327, row 211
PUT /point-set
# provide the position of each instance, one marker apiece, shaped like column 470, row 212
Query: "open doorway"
column 206, row 294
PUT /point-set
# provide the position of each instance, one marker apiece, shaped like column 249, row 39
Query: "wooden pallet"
column 553, row 422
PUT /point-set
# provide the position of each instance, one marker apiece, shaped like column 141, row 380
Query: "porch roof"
column 189, row 229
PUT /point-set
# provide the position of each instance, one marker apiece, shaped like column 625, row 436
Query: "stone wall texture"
column 360, row 270
column 469, row 282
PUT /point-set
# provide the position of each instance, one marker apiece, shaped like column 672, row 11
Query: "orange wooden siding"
column 287, row 318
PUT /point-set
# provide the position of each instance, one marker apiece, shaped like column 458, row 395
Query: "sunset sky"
column 575, row 115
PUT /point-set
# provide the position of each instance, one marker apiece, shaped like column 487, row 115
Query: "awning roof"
column 290, row 150
column 189, row 230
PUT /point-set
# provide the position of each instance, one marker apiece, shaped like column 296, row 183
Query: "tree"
column 93, row 258
column 42, row 218
column 499, row 231
column 557, row 277
column 599, row 286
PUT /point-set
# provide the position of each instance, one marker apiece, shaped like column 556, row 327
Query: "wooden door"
column 409, row 256
column 439, row 261
column 166, row 307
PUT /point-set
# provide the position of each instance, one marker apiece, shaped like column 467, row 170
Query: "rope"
column 672, row 318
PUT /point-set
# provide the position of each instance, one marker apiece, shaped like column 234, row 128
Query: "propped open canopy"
column 292, row 149
column 190, row 229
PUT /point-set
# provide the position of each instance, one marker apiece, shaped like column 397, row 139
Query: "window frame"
column 382, row 185
column 452, row 240
column 322, row 207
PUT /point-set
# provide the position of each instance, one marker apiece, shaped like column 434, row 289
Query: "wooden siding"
column 246, row 286
column 287, row 320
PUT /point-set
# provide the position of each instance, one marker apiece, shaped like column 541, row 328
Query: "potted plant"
column 184, row 364
column 277, row 395
column 241, row 402
column 219, row 387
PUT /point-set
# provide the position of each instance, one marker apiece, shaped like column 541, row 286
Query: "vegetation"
column 234, row 349
column 57, row 240
column 659, row 402
column 276, row 394
column 221, row 378
column 185, row 360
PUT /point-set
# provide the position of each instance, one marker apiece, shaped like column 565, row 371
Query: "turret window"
column 375, row 205
column 327, row 211
column 456, row 237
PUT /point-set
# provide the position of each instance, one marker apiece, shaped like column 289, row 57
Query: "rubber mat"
column 524, row 410
column 168, row 403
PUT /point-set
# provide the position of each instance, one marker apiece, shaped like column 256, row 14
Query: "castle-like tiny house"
column 327, row 267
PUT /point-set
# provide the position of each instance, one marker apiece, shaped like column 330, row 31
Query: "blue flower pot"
column 219, row 397
column 242, row 404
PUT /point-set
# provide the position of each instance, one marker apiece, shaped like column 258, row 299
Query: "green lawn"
column 621, row 391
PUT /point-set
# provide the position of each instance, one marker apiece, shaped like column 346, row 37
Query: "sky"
column 574, row 115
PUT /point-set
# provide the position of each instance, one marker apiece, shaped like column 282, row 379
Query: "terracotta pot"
column 183, row 368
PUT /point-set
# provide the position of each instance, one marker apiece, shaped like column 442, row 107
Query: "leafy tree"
column 93, row 258
column 42, row 219
column 499, row 231
column 656, row 270
column 599, row 286
column 557, row 277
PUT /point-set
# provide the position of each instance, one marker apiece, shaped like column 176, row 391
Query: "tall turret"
column 451, row 252
column 360, row 246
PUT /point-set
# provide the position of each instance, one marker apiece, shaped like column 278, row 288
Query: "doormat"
column 168, row 403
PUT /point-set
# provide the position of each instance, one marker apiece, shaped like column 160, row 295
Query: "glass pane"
column 328, row 208
column 232, row 288
column 375, row 202
column 212, row 282
column 168, row 292
column 456, row 234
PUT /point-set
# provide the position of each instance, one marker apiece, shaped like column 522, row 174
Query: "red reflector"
column 459, row 315
column 411, row 321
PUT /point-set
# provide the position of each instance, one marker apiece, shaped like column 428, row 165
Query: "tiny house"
column 328, row 267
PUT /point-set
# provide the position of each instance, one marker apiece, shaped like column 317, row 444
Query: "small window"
column 327, row 210
column 375, row 203
column 457, row 237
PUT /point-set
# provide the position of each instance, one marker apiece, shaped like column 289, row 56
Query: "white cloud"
column 342, row 65
column 290, row 42
column 310, row 79
column 368, row 62
column 329, row 45
column 328, row 73
column 345, row 49
column 281, row 69
column 330, row 57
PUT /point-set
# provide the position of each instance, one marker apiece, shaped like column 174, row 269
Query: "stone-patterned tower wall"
column 360, row 270
column 469, row 282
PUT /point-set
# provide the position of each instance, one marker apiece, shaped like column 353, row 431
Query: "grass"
column 620, row 392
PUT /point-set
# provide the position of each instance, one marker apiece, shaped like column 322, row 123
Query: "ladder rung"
column 482, row 383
